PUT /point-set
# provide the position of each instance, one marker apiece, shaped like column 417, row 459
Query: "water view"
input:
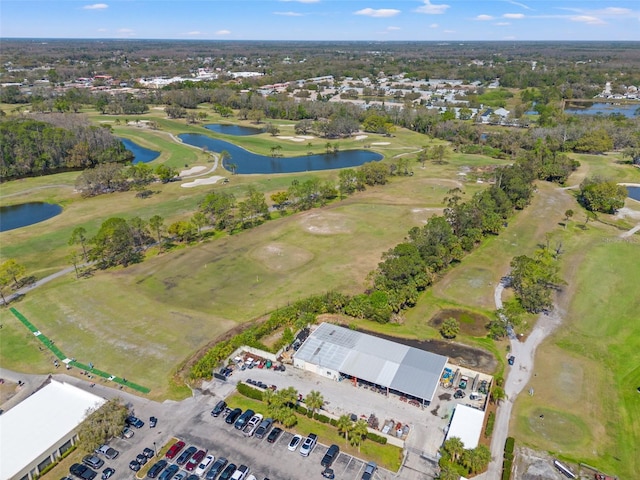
column 634, row 192
column 237, row 130
column 629, row 110
column 24, row 214
column 247, row 162
column 140, row 154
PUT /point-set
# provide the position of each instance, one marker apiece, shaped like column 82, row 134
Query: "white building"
column 37, row 431
column 466, row 424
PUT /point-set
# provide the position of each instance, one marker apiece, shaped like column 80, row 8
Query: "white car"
column 308, row 444
column 241, row 473
column 295, row 441
column 252, row 477
column 252, row 425
column 204, row 465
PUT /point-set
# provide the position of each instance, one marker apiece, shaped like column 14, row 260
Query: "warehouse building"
column 466, row 424
column 41, row 428
column 337, row 353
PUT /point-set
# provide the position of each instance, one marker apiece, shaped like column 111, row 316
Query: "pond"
column 24, row 214
column 629, row 110
column 247, row 162
column 237, row 130
column 140, row 154
column 634, row 192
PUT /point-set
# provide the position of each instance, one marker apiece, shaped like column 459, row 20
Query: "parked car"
column 108, row 452
column 252, row 425
column 156, row 468
column 227, row 472
column 134, row 422
column 330, row 456
column 295, row 441
column 308, row 444
column 153, row 421
column 233, row 415
column 273, row 436
column 107, row 473
column 148, row 452
column 512, row 360
column 174, row 449
column 369, row 470
column 186, row 455
column 216, row 468
column 193, row 476
column 263, row 428
column 93, row 461
column 328, row 473
column 243, row 419
column 126, row 433
column 169, row 472
column 219, row 408
column 134, row 465
column 195, row 460
column 179, row 476
column 204, row 464
column 241, row 473
column 142, row 459
column 82, row 471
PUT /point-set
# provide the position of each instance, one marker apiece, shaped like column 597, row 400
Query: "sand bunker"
column 361, row 137
column 293, row 139
column 192, row 171
column 325, row 223
column 380, row 143
column 202, row 181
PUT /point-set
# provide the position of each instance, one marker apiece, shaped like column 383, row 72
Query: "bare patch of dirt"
column 471, row 323
column 7, row 390
column 281, row 257
column 325, row 223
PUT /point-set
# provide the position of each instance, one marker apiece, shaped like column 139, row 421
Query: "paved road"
column 37, row 283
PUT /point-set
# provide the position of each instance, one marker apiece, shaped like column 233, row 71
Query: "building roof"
column 36, row 424
column 382, row 362
column 466, row 424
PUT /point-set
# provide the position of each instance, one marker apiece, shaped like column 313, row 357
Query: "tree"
column 13, row 270
column 568, row 214
column 272, row 129
column 454, row 448
column 533, row 279
column 601, row 195
column 345, row 426
column 102, row 425
column 314, row 401
column 5, row 282
column 183, row 231
column 156, row 223
column 199, row 220
column 478, row 459
column 165, row 173
column 114, row 244
column 219, row 208
column 497, row 393
column 79, row 235
column 279, row 200
column 254, row 209
column 450, row 328
column 358, row 433
column 448, row 473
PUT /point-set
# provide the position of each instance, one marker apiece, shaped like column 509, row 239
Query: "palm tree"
column 233, row 167
column 454, row 447
column 448, row 473
column 359, row 433
column 314, row 401
column 497, row 394
column 345, row 425
column 478, row 459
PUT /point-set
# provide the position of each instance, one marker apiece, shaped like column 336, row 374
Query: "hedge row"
column 250, row 392
column 377, row 438
column 509, row 447
column 491, row 420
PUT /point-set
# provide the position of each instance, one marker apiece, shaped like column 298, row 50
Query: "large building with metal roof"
column 38, row 430
column 337, row 352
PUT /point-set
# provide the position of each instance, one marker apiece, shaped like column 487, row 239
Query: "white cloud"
column 431, row 9
column 518, row 4
column 288, row 14
column 588, row 19
column 392, row 28
column 515, row 16
column 614, row 11
column 223, row 32
column 378, row 13
column 195, row 32
column 96, row 6
column 434, row 25
column 484, row 18
column 501, row 24
column 449, row 31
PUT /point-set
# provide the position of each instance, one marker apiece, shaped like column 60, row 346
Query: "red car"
column 195, row 460
column 175, row 449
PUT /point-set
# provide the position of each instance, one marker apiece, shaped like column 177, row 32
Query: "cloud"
column 588, row 19
column 223, row 32
column 449, row 31
column 96, row 6
column 195, row 32
column 434, row 25
column 288, row 14
column 614, row 11
column 392, row 28
column 502, row 24
column 431, row 9
column 518, row 4
column 379, row 13
column 515, row 16
column 484, row 18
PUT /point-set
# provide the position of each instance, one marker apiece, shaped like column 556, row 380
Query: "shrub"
column 488, row 430
column 249, row 392
column 302, row 410
column 509, row 446
column 377, row 438
column 321, row 418
column 506, row 470
column 333, row 422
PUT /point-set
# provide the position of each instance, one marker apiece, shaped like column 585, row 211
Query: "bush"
column 506, row 470
column 509, row 446
column 302, row 410
column 488, row 430
column 377, row 438
column 321, row 418
column 333, row 422
column 249, row 392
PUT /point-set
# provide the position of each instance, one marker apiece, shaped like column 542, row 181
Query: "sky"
column 390, row 20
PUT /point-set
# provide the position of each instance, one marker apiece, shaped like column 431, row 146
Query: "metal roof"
column 389, row 364
column 466, row 424
column 35, row 425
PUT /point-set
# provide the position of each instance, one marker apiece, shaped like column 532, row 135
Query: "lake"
column 634, row 192
column 24, row 214
column 237, row 130
column 629, row 110
column 140, row 154
column 248, row 162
